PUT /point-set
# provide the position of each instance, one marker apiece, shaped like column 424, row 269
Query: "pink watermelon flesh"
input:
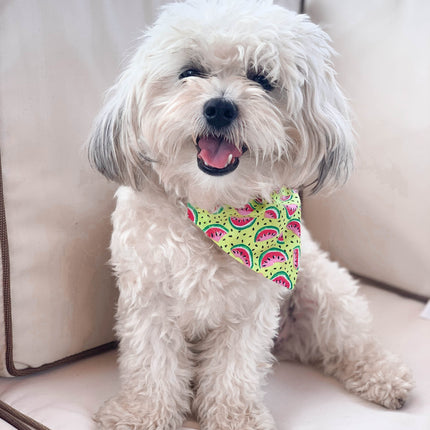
column 271, row 213
column 295, row 227
column 281, row 238
column 266, row 234
column 191, row 214
column 281, row 279
column 241, row 223
column 270, row 258
column 215, row 233
column 291, row 209
column 243, row 254
column 286, row 198
column 296, row 257
column 245, row 210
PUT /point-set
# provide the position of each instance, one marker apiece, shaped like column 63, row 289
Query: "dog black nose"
column 220, row 112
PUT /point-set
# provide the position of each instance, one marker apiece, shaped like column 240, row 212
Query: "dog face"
column 224, row 102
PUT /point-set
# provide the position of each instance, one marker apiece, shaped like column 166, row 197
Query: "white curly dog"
column 254, row 82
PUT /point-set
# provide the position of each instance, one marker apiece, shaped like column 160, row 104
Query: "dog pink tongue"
column 216, row 152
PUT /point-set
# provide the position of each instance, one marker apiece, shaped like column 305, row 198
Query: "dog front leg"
column 232, row 363
column 155, row 368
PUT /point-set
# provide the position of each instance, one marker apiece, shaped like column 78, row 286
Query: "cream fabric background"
column 378, row 225
column 57, row 59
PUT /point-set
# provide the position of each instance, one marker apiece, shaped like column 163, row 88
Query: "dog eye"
column 262, row 81
column 190, row 73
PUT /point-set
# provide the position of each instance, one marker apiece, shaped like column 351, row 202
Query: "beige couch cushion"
column 299, row 397
column 57, row 59
column 378, row 225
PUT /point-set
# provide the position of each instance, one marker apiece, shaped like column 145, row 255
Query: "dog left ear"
column 324, row 122
column 113, row 147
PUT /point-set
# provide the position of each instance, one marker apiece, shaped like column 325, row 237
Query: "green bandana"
column 263, row 236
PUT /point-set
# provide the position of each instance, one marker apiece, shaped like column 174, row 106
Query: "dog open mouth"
column 217, row 156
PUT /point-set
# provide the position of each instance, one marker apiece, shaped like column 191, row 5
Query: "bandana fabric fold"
column 264, row 236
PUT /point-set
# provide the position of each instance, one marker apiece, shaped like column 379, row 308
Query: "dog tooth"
column 230, row 157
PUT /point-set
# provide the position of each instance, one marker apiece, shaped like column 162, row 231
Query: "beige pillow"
column 57, row 59
column 378, row 225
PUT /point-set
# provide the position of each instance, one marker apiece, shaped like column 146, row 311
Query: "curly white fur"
column 196, row 328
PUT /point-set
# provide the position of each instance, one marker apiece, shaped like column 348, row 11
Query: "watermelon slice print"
column 271, row 257
column 295, row 226
column 272, row 212
column 192, row 214
column 296, row 257
column 243, row 254
column 245, row 210
column 215, row 231
column 241, row 223
column 291, row 209
column 283, row 279
column 262, row 235
column 286, row 198
column 266, row 233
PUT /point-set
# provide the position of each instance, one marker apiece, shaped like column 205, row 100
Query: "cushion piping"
column 17, row 419
column 4, row 245
column 7, row 307
column 391, row 288
column 23, row 422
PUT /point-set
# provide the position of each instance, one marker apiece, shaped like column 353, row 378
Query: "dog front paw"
column 383, row 380
column 131, row 413
column 224, row 416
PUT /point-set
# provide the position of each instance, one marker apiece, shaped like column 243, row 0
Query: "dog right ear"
column 113, row 144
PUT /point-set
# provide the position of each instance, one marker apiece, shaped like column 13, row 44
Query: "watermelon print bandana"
column 264, row 236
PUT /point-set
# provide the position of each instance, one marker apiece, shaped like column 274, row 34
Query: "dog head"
column 224, row 102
